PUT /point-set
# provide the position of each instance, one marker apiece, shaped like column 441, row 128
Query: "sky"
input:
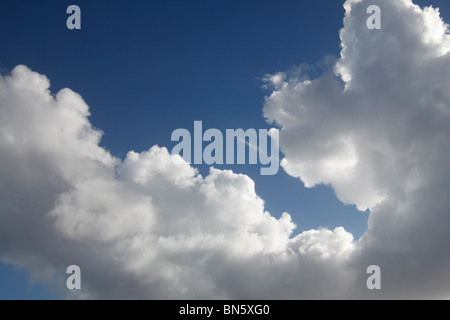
column 86, row 175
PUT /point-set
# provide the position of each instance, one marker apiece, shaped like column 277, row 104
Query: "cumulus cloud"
column 146, row 227
column 377, row 130
column 150, row 226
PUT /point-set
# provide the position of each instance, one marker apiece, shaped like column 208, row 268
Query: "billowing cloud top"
column 377, row 130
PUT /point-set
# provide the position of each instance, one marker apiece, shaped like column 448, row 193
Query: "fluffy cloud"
column 377, row 131
column 151, row 227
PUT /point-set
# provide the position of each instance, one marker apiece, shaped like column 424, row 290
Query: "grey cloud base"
column 379, row 135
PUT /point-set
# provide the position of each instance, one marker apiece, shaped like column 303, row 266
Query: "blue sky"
column 146, row 68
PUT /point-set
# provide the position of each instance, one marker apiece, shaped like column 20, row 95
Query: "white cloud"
column 378, row 133
column 151, row 227
column 146, row 225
